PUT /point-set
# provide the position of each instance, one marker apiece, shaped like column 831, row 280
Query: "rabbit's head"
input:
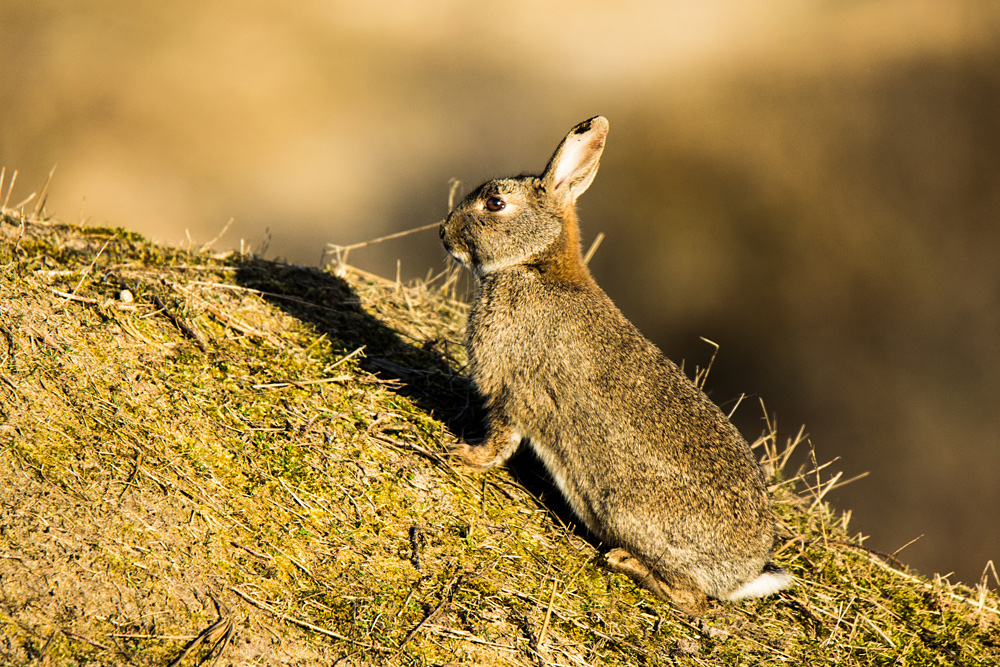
column 528, row 219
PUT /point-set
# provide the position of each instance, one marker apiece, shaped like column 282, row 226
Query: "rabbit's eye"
column 495, row 204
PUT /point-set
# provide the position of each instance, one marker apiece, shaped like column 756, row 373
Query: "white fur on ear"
column 575, row 154
column 574, row 164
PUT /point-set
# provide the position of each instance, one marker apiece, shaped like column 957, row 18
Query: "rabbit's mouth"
column 459, row 255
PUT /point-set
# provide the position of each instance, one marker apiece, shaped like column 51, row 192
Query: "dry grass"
column 245, row 464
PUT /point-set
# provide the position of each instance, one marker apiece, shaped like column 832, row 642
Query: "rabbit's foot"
column 479, row 457
column 501, row 443
column 681, row 591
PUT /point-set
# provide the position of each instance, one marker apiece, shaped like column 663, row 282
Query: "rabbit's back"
column 646, row 461
column 644, row 458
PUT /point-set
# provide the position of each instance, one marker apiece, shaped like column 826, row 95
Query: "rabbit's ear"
column 574, row 164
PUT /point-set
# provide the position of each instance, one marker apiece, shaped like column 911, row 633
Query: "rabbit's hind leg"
column 678, row 589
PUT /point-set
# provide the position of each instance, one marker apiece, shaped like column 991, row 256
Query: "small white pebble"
column 125, row 296
column 689, row 646
column 713, row 633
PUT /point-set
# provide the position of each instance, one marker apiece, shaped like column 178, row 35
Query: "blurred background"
column 813, row 186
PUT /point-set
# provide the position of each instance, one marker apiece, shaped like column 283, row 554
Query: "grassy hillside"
column 217, row 457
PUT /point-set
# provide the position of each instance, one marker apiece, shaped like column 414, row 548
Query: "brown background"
column 813, row 186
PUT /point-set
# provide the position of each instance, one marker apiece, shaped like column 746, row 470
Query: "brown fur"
column 642, row 456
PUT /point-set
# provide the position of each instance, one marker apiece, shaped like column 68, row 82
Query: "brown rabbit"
column 647, row 462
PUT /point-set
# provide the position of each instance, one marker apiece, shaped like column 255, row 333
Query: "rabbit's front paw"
column 479, row 457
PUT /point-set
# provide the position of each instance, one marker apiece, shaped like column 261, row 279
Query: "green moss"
column 146, row 475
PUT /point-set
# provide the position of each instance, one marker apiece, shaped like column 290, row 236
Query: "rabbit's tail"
column 771, row 580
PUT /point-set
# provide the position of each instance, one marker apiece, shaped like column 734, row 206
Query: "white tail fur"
column 770, row 581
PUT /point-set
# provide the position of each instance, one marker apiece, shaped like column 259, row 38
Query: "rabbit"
column 643, row 458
